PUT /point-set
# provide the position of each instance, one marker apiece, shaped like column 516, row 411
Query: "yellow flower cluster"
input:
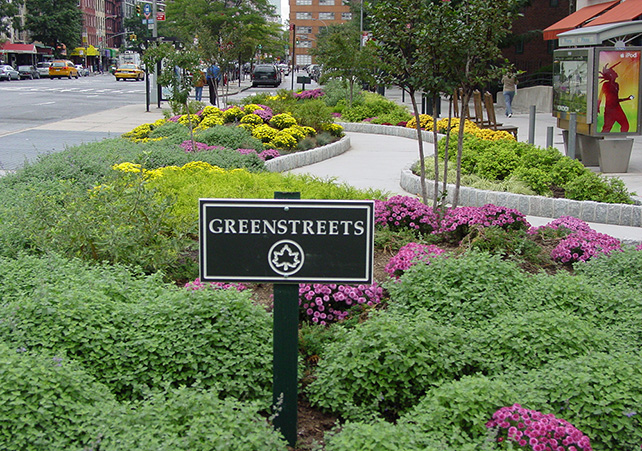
column 159, row 172
column 282, row 121
column 264, row 132
column 185, row 119
column 210, row 121
column 128, row 167
column 425, row 121
column 284, row 140
column 333, row 129
column 493, row 135
column 141, row 133
column 233, row 114
column 209, row 109
column 251, row 108
column 252, row 119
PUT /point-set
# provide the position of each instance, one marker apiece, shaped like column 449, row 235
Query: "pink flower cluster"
column 409, row 255
column 198, row 285
column 581, row 246
column 310, row 94
column 401, row 212
column 579, row 242
column 265, row 112
column 327, row 303
column 564, row 222
column 194, row 146
column 536, row 431
column 458, row 221
column 264, row 155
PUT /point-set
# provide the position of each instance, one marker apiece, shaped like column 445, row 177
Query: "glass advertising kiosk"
column 601, row 86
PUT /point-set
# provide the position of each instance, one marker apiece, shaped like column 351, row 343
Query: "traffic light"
column 138, row 10
column 132, row 37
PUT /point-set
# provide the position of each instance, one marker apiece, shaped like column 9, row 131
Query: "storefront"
column 17, row 54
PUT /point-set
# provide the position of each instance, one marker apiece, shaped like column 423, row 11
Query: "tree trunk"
column 420, row 142
column 436, row 195
column 447, row 138
column 460, row 143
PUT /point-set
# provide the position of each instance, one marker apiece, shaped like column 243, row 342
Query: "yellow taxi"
column 129, row 71
column 62, row 68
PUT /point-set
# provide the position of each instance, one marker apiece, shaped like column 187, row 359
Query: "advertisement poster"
column 571, row 84
column 618, row 85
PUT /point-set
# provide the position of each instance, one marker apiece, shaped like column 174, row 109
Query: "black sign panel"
column 277, row 240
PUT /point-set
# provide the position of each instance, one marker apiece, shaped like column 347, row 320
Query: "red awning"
column 625, row 11
column 17, row 48
column 578, row 18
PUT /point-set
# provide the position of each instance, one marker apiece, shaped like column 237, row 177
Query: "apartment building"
column 308, row 18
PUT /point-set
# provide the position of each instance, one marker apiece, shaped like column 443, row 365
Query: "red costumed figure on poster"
column 610, row 91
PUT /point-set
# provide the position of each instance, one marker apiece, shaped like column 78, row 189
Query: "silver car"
column 8, row 73
column 43, row 68
column 28, row 72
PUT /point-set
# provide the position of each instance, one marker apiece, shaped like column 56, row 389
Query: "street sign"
column 147, row 10
column 286, row 241
column 160, row 16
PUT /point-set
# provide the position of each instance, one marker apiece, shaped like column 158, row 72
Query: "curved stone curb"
column 391, row 130
column 298, row 159
column 547, row 207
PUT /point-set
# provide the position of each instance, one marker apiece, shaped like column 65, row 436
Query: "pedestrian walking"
column 213, row 77
column 199, row 82
column 510, row 87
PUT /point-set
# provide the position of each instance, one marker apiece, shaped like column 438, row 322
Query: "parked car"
column 8, row 73
column 43, row 68
column 63, row 68
column 266, row 74
column 82, row 71
column 29, row 72
column 129, row 71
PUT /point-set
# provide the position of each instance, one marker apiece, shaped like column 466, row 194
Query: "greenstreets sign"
column 286, row 240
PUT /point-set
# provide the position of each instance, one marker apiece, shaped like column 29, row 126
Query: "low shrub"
column 229, row 137
column 169, row 339
column 385, row 364
column 190, row 420
column 470, row 288
column 313, row 113
column 47, row 401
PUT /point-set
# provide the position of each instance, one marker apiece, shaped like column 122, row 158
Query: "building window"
column 304, row 30
column 304, row 16
column 326, row 2
column 303, row 44
column 303, row 2
column 519, row 46
column 554, row 3
column 346, row 16
column 302, row 60
column 326, row 16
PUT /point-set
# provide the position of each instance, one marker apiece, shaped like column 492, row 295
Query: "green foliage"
column 530, row 340
column 189, row 420
column 173, row 132
column 379, row 436
column 230, row 137
column 54, row 24
column 497, row 165
column 537, row 179
column 337, row 91
column 470, row 288
column 47, row 401
column 591, row 186
column 516, row 245
column 620, row 269
column 167, row 337
column 382, row 366
column 392, row 118
column 313, row 113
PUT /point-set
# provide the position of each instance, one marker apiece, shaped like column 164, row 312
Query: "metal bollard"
column 531, row 125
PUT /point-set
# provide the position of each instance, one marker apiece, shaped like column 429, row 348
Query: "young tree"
column 54, row 22
column 343, row 57
column 10, row 15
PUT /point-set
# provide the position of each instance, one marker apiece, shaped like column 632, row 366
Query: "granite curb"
column 589, row 211
column 308, row 157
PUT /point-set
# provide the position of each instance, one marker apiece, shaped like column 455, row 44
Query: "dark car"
column 266, row 74
column 28, row 72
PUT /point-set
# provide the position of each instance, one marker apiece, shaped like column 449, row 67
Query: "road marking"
column 45, row 103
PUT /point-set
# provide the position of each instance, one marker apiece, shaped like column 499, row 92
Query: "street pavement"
column 374, row 161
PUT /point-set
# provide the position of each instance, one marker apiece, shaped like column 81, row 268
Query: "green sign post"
column 285, row 342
